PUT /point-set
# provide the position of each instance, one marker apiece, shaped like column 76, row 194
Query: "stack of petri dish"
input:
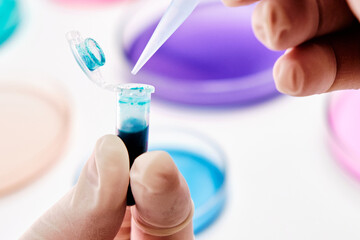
column 212, row 59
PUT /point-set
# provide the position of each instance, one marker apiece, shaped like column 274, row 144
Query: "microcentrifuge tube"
column 133, row 100
column 133, row 107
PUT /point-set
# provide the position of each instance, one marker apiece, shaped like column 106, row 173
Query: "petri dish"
column 35, row 124
column 203, row 165
column 9, row 19
column 212, row 59
column 343, row 117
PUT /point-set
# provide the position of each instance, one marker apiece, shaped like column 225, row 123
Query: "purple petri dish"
column 343, row 116
column 212, row 59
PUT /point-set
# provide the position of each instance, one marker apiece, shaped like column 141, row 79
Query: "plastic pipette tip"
column 139, row 64
column 175, row 15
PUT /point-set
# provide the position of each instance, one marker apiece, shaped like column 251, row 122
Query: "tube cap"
column 91, row 57
column 88, row 55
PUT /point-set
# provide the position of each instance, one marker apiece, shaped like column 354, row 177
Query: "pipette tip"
column 135, row 70
column 140, row 63
column 174, row 16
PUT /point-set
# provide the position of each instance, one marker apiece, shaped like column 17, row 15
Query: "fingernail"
column 271, row 24
column 161, row 193
column 289, row 77
column 110, row 152
column 105, row 177
column 306, row 70
column 158, row 179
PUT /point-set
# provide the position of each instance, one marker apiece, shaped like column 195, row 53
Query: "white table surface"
column 283, row 182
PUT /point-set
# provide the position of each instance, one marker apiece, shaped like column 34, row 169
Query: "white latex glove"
column 95, row 208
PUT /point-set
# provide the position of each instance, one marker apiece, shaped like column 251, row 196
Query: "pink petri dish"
column 344, row 127
column 35, row 121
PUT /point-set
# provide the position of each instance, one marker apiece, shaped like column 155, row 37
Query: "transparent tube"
column 132, row 113
column 133, row 100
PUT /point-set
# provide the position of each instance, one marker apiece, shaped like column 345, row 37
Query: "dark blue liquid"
column 136, row 144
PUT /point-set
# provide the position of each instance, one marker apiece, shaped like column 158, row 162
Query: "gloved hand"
column 322, row 40
column 95, row 208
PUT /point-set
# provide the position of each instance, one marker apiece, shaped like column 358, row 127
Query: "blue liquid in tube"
column 136, row 142
column 133, row 108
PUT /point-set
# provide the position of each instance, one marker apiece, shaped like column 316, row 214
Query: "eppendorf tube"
column 133, row 100
column 132, row 118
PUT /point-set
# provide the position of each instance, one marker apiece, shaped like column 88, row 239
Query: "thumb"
column 95, row 207
column 163, row 207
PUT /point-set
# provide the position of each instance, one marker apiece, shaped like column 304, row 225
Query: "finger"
column 163, row 204
column 95, row 207
column 281, row 24
column 327, row 64
column 236, row 3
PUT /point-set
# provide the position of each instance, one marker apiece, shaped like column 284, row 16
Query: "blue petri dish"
column 213, row 59
column 203, row 165
column 9, row 18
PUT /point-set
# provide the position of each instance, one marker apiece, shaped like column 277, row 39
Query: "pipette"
column 177, row 12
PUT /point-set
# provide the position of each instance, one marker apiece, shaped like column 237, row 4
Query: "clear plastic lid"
column 91, row 57
column 88, row 55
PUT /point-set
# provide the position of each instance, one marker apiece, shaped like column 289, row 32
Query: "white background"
column 283, row 183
